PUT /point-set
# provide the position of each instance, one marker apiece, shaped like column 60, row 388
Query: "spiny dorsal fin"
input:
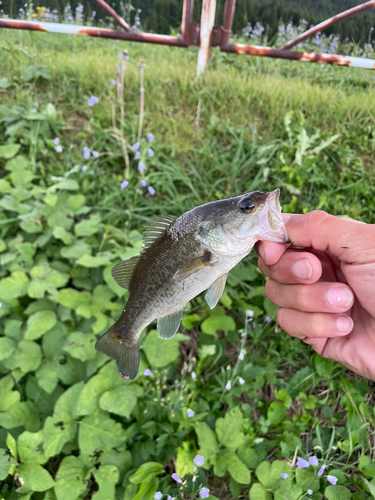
column 123, row 271
column 155, row 227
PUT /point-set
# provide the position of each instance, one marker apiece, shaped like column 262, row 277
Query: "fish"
column 180, row 259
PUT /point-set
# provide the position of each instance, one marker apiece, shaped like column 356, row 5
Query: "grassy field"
column 260, row 399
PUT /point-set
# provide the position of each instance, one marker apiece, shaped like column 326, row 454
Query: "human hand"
column 326, row 292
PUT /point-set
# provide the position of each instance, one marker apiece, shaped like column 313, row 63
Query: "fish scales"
column 193, row 253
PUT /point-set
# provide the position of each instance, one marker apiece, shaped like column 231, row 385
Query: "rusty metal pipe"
column 119, row 20
column 187, row 15
column 226, row 28
column 335, row 60
column 328, row 22
column 70, row 29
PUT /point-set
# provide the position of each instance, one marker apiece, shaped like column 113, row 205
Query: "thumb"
column 349, row 240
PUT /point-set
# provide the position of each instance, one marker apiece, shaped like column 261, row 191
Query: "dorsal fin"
column 155, row 227
column 123, row 271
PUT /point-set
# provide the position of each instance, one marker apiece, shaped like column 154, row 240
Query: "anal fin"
column 215, row 291
column 168, row 325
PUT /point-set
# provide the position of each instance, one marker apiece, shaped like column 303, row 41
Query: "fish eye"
column 246, row 206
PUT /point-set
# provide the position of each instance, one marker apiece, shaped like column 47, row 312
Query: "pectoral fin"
column 168, row 325
column 215, row 291
column 193, row 267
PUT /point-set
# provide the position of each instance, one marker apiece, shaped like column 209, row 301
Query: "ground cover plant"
column 231, row 407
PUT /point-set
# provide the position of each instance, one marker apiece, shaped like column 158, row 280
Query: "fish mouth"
column 271, row 221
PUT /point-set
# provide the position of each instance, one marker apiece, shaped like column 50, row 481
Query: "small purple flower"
column 86, row 153
column 321, row 471
column 95, row 154
column 137, row 155
column 141, row 167
column 332, row 479
column 284, row 475
column 190, row 413
column 93, row 100
column 126, row 57
column 147, row 372
column 84, row 168
column 113, row 82
column 124, row 184
column 176, row 478
column 241, row 381
column 268, row 319
column 135, row 146
column 143, row 183
column 309, row 492
column 158, row 495
column 117, row 65
column 151, row 190
column 204, row 493
column 150, row 137
column 198, row 460
column 228, row 386
column 169, row 498
column 124, row 67
column 120, row 56
column 58, row 149
column 241, row 356
column 193, row 375
column 313, row 461
column 302, row 463
column 118, row 72
column 119, row 85
column 150, row 152
column 56, row 141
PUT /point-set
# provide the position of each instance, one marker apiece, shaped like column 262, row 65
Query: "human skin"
column 326, row 290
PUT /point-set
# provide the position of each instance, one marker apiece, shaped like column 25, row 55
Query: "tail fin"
column 126, row 356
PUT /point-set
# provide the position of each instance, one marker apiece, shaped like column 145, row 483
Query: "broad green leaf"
column 9, row 150
column 294, row 493
column 185, row 457
column 147, row 490
column 238, row 470
column 71, row 479
column 218, row 322
column 75, row 201
column 47, row 375
column 68, row 401
column 366, row 465
column 269, row 474
column 72, row 298
column 14, row 286
column 8, row 397
column 337, row 493
column 7, row 463
column 90, row 261
column 58, row 430
column 145, row 472
column 12, row 445
column 259, row 492
column 40, row 323
column 106, row 477
column 27, row 356
column 29, row 448
column 88, row 227
column 206, row 439
column 7, row 347
column 75, row 251
column 99, row 431
column 276, row 412
column 161, row 352
column 121, row 401
column 80, row 345
column 305, row 478
column 62, row 234
column 229, row 429
column 20, row 413
column 34, row 477
column 250, row 457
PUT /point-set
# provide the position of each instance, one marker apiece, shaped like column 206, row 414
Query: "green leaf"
column 218, row 322
column 147, row 490
column 58, row 430
column 20, row 413
column 106, row 477
column 145, row 472
column 7, row 347
column 249, row 456
column 90, row 261
column 294, row 493
column 71, row 479
column 68, row 401
column 80, row 346
column 9, row 150
column 34, row 477
column 161, row 352
column 269, row 474
column 72, row 298
column 75, row 201
column 98, row 432
column 27, row 356
column 238, row 470
column 14, row 286
column 259, row 492
column 88, row 227
column 77, row 250
column 12, row 445
column 120, row 401
column 305, row 478
column 7, row 463
column 29, row 447
column 276, row 412
column 8, row 398
column 337, row 493
column 229, row 429
column 206, row 439
column 185, row 457
column 62, row 234
column 47, row 375
column 366, row 465
column 40, row 323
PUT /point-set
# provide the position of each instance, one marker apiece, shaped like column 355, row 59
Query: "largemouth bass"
column 180, row 259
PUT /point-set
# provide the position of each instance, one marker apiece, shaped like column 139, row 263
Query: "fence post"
column 207, row 24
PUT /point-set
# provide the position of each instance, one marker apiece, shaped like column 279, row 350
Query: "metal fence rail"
column 205, row 35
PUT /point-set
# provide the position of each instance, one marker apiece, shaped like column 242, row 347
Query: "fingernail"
column 339, row 297
column 302, row 269
column 344, row 324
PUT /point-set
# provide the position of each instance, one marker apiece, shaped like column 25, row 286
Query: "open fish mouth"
column 271, row 221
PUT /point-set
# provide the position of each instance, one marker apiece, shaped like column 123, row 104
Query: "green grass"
column 261, row 124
